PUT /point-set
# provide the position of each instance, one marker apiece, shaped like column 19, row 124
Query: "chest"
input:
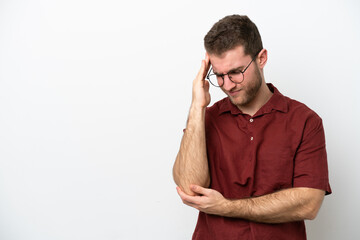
column 252, row 156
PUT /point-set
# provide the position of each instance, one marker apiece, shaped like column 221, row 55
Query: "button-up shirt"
column 281, row 146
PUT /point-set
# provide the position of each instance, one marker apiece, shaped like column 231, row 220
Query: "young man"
column 254, row 164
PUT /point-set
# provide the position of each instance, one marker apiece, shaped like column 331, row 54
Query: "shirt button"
column 252, row 138
column 251, row 120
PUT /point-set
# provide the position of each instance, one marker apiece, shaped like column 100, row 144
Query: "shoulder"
column 300, row 114
column 217, row 108
column 300, row 109
column 214, row 114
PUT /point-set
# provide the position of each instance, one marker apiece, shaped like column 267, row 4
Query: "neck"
column 262, row 96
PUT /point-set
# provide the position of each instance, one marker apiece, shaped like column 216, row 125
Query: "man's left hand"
column 208, row 201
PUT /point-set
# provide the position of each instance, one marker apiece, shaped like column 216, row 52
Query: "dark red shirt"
column 281, row 146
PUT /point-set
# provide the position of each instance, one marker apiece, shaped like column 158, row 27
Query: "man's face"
column 240, row 94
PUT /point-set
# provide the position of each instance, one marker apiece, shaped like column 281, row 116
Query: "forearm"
column 191, row 165
column 288, row 205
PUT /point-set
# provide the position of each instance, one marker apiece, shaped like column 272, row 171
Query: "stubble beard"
column 250, row 92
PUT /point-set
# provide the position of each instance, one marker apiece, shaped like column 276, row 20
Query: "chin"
column 242, row 100
column 238, row 101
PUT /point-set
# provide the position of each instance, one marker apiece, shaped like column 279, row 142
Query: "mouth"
column 234, row 92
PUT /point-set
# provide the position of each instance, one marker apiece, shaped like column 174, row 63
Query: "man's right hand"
column 191, row 164
column 200, row 93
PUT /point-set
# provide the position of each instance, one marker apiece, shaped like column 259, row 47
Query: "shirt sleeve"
column 310, row 166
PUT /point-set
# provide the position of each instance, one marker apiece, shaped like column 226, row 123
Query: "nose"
column 228, row 84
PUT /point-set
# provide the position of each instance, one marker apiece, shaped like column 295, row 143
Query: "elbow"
column 185, row 184
column 312, row 210
column 313, row 203
column 176, row 176
column 207, row 182
column 175, row 171
column 311, row 215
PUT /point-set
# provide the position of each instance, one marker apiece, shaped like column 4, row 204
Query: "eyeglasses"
column 236, row 76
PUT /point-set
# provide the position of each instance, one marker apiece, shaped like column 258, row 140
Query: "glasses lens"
column 215, row 80
column 237, row 77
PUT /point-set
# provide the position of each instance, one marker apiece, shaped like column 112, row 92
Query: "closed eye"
column 233, row 71
column 236, row 71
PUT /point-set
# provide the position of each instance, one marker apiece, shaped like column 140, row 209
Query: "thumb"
column 206, row 86
column 200, row 75
column 199, row 189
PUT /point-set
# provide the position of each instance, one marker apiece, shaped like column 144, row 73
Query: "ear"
column 262, row 58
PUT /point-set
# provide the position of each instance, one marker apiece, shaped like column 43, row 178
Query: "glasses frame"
column 229, row 76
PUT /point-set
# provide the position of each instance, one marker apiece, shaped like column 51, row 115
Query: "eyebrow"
column 231, row 70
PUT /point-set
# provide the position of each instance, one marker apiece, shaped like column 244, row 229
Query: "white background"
column 94, row 96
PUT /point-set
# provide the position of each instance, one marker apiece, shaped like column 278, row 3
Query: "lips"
column 234, row 93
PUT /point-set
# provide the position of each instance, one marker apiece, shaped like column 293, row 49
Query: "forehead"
column 229, row 60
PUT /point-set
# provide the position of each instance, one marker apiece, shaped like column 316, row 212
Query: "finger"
column 206, row 86
column 181, row 193
column 207, row 63
column 186, row 198
column 200, row 75
column 192, row 205
column 207, row 58
column 200, row 190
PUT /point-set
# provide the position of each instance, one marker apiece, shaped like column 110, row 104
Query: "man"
column 254, row 164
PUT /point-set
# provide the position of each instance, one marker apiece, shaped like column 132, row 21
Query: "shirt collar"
column 276, row 102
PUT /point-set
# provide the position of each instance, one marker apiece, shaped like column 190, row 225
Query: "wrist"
column 235, row 208
column 227, row 208
column 197, row 107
